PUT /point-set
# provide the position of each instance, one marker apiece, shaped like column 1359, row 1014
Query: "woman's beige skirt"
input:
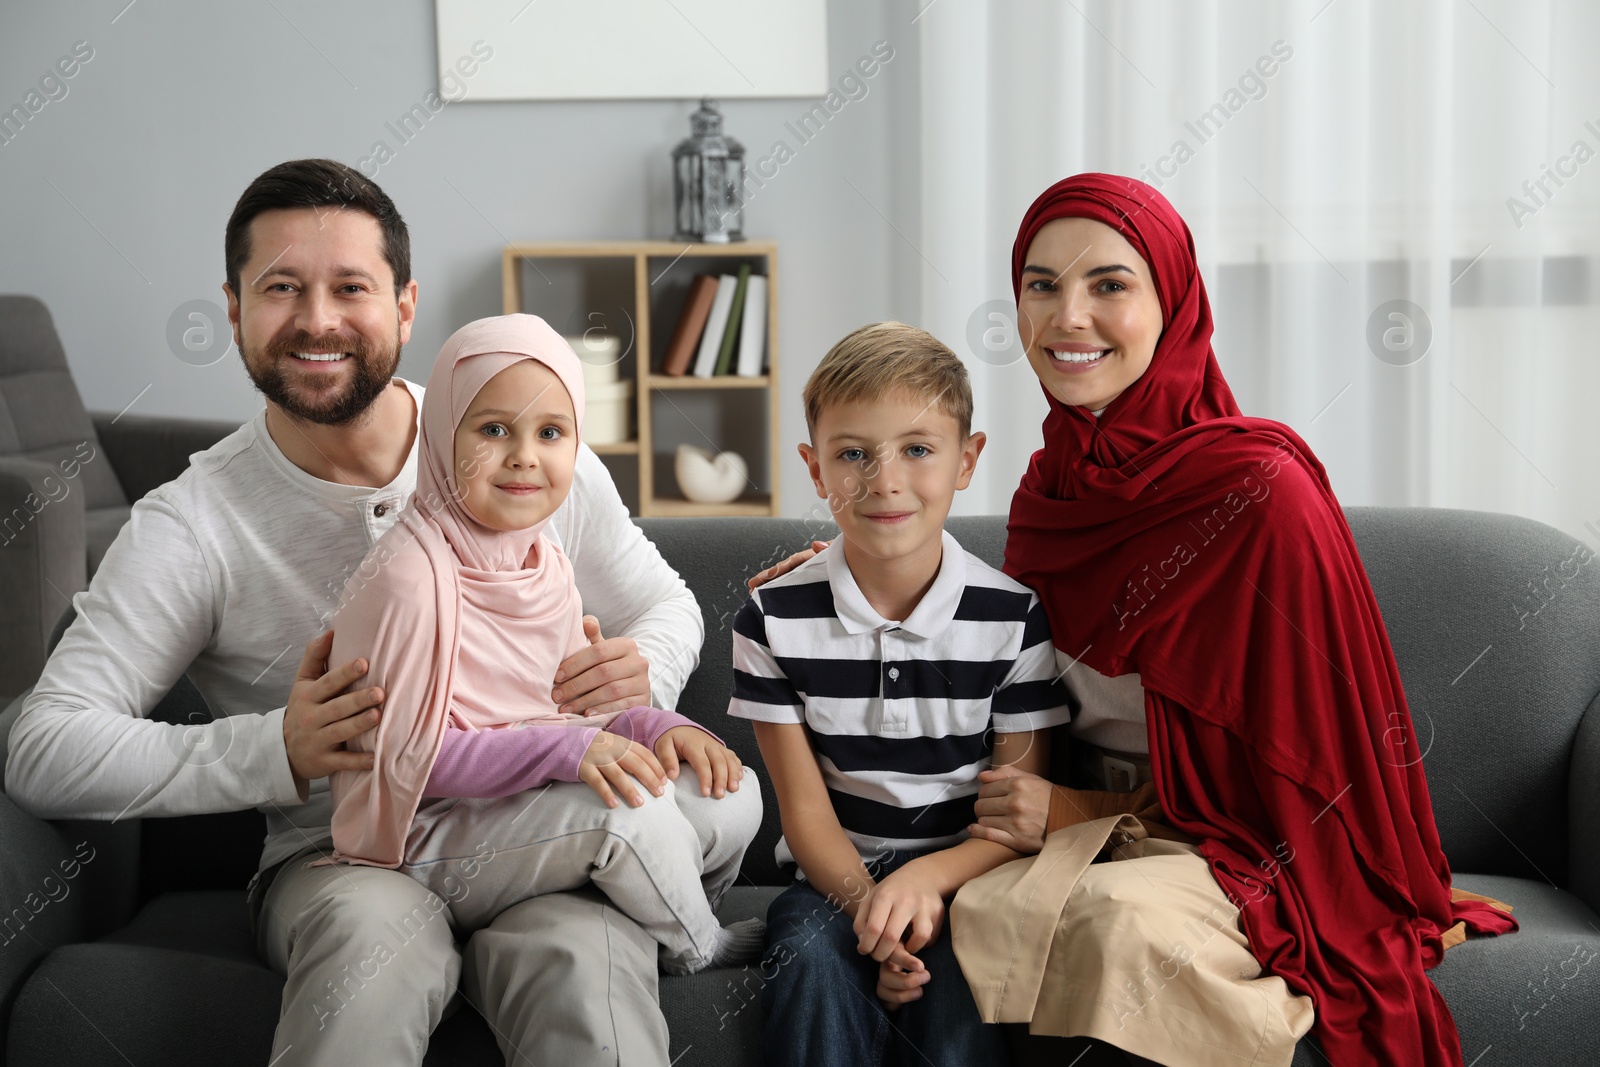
column 1142, row 951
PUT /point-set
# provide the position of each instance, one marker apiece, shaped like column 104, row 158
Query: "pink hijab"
column 464, row 626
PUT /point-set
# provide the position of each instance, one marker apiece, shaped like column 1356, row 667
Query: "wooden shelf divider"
column 689, row 381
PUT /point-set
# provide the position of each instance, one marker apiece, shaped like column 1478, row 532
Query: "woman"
column 1208, row 604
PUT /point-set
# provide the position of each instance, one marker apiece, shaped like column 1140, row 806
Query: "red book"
column 691, row 323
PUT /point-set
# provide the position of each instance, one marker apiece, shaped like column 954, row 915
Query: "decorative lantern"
column 708, row 181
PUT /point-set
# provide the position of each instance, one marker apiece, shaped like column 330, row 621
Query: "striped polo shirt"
column 899, row 713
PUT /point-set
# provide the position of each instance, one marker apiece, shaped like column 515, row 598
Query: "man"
column 224, row 572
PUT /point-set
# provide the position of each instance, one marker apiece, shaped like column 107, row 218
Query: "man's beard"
column 330, row 405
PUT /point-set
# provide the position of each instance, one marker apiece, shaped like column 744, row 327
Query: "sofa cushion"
column 205, row 923
column 114, row 1004
column 43, row 907
column 1492, row 619
column 41, row 413
column 182, row 984
column 1533, row 995
column 156, row 990
column 715, row 1016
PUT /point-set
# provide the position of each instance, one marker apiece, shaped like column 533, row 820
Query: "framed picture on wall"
column 631, row 49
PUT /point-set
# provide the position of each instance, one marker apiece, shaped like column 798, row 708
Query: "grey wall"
column 113, row 198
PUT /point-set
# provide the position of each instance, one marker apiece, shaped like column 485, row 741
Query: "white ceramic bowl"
column 710, row 478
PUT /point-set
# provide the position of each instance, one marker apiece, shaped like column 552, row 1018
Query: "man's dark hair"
column 317, row 183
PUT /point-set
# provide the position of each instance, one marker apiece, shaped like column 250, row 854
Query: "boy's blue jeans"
column 821, row 1001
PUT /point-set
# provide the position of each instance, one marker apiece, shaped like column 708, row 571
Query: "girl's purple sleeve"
column 498, row 763
column 646, row 725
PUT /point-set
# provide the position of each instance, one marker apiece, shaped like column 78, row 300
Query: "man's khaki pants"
column 372, row 965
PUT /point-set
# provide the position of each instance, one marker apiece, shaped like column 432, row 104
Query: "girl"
column 1209, row 607
column 463, row 611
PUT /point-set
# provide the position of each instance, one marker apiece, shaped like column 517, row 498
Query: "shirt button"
column 381, row 510
column 894, row 674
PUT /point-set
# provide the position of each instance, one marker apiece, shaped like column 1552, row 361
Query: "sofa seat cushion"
column 715, row 1016
column 208, row 924
column 100, row 528
column 115, row 1004
column 1533, row 995
column 182, row 984
column 1550, row 969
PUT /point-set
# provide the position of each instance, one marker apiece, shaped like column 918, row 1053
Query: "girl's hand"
column 903, row 911
column 719, row 769
column 1012, row 809
column 901, row 978
column 609, row 762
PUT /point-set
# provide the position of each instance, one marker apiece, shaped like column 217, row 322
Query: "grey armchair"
column 67, row 480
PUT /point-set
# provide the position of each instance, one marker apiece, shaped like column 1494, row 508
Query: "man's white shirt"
column 225, row 574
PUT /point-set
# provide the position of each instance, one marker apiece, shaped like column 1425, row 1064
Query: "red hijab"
column 1177, row 538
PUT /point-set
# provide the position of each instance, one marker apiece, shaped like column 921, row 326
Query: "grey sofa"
column 67, row 479
column 145, row 956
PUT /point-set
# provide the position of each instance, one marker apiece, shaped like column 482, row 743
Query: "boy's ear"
column 814, row 466
column 969, row 457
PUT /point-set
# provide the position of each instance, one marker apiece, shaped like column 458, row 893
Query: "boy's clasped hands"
column 893, row 920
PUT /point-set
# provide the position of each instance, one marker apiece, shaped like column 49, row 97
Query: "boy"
column 883, row 675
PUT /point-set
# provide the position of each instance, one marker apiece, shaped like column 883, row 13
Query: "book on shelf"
column 730, row 335
column 705, row 362
column 691, row 324
column 753, row 330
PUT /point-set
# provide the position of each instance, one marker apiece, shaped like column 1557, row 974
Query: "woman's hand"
column 903, row 911
column 719, row 769
column 611, row 762
column 609, row 675
column 1012, row 809
column 901, row 978
column 787, row 565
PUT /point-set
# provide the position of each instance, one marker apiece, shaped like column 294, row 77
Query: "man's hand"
column 1012, row 809
column 787, row 565
column 318, row 720
column 611, row 761
column 719, row 769
column 901, row 978
column 903, row 910
column 609, row 675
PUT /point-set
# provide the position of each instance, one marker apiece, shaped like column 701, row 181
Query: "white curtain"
column 1441, row 154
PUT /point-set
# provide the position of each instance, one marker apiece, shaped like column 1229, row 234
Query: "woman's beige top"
column 1108, row 712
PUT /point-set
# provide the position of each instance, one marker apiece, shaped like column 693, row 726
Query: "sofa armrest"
column 150, row 450
column 109, row 883
column 43, row 562
column 1583, row 808
column 41, row 903
column 40, row 892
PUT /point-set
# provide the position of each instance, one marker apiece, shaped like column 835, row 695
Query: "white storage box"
column 608, row 415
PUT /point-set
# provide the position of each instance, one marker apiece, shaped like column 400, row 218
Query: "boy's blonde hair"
column 890, row 357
